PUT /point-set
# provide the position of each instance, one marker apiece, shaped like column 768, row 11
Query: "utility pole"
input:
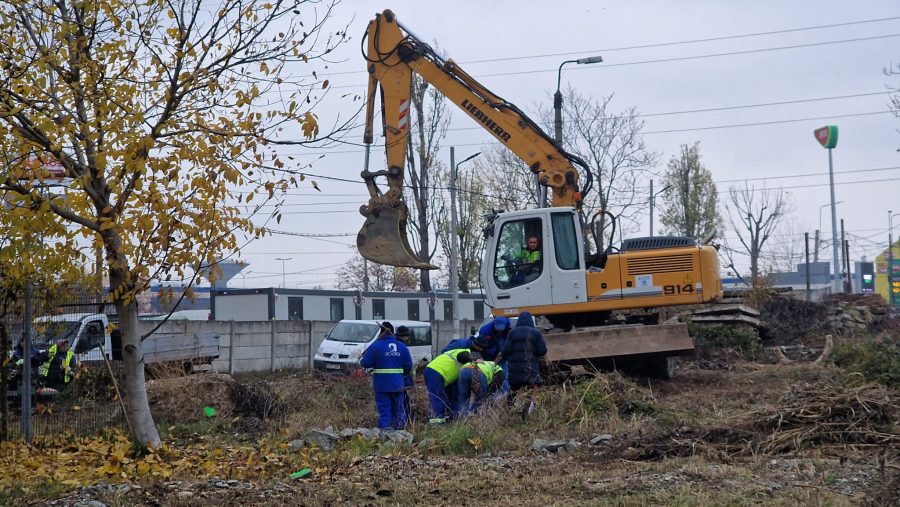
column 283, row 259
column 845, row 273
column 651, row 208
column 454, row 238
column 806, row 245
column 890, row 261
column 454, row 245
column 816, row 247
column 847, row 267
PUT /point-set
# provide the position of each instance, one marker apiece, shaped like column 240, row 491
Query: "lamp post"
column 652, row 200
column 819, row 230
column 557, row 113
column 244, row 277
column 454, row 238
column 283, row 259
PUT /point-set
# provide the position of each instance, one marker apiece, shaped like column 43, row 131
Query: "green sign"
column 827, row 136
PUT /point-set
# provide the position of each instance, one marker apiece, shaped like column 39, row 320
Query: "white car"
column 348, row 339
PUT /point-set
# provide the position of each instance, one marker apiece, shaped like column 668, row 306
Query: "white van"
column 348, row 339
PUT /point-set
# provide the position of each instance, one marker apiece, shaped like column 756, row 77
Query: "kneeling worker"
column 441, row 375
column 476, row 382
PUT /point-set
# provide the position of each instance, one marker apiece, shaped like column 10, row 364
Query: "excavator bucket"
column 382, row 239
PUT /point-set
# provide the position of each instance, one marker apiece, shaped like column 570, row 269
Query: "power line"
column 756, row 124
column 690, row 129
column 808, row 175
column 648, row 46
column 673, row 59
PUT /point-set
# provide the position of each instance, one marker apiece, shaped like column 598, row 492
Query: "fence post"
column 309, row 350
column 231, row 347
column 272, row 348
column 26, row 368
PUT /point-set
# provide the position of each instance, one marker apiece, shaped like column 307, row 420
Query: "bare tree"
column 360, row 274
column 787, row 250
column 754, row 214
column 891, row 71
column 509, row 183
column 690, row 207
column 472, row 203
column 612, row 145
column 428, row 127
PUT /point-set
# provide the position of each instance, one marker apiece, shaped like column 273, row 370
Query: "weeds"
column 876, row 360
column 712, row 341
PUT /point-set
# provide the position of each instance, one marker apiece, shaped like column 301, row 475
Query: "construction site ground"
column 700, row 439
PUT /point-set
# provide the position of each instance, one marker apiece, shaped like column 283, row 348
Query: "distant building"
column 881, row 278
column 317, row 304
column 819, row 280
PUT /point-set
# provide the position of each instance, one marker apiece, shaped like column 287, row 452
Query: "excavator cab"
column 534, row 258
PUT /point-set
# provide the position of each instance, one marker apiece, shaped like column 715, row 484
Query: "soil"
column 694, row 452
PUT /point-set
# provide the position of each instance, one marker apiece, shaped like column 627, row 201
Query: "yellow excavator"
column 545, row 261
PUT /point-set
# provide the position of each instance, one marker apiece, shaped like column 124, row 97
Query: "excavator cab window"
column 519, row 258
column 565, row 242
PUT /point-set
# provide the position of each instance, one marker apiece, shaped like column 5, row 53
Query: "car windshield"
column 353, row 332
column 46, row 334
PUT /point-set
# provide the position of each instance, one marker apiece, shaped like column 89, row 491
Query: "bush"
column 710, row 340
column 877, row 360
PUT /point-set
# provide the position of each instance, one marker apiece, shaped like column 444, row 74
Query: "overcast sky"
column 821, row 75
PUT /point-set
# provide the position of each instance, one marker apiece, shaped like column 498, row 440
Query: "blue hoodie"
column 495, row 333
column 391, row 362
column 523, row 347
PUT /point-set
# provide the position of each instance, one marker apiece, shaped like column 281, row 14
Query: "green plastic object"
column 301, row 474
column 209, row 411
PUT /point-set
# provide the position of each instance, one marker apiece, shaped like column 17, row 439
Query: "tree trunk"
column 4, row 406
column 424, row 245
column 134, row 389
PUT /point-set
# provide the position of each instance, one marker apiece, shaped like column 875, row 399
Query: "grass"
column 487, row 459
column 875, row 359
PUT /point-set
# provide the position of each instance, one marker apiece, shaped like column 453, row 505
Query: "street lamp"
column 454, row 240
column 557, row 116
column 244, row 278
column 820, row 212
column 652, row 200
column 283, row 259
column 557, row 97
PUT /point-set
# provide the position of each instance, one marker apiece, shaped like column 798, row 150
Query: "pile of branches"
column 256, row 399
column 820, row 417
column 788, row 320
column 833, row 419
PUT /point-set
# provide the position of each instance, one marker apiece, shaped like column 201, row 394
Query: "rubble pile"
column 788, row 319
column 847, row 313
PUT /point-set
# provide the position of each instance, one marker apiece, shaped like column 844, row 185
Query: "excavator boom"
column 393, row 53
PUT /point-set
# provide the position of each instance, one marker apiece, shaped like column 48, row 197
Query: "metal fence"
column 31, row 408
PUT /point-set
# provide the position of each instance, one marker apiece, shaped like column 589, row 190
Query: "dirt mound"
column 183, row 398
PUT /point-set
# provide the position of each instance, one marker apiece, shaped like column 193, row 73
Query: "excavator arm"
column 393, row 53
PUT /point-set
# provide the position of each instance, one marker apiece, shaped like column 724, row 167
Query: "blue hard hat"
column 501, row 323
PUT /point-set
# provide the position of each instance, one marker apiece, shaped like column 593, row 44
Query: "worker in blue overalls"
column 390, row 362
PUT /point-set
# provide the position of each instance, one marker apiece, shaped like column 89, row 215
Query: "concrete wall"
column 259, row 346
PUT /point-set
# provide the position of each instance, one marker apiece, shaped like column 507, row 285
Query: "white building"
column 333, row 305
